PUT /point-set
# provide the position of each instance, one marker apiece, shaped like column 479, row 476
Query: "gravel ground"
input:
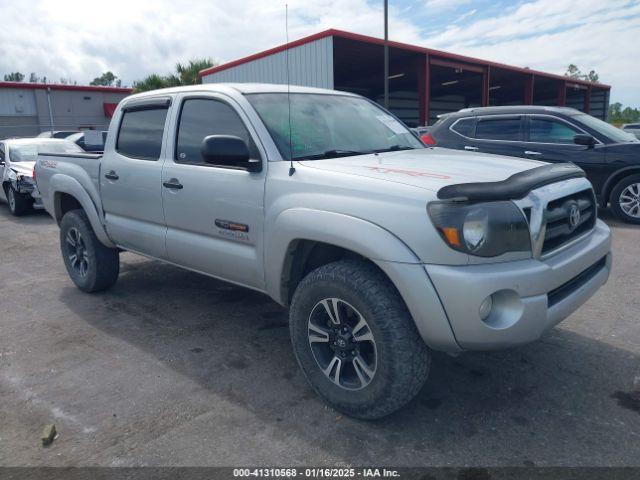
column 173, row 368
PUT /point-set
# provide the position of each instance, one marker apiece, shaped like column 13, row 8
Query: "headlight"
column 482, row 229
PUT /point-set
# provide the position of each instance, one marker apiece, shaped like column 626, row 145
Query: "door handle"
column 469, row 148
column 174, row 184
column 111, row 175
column 529, row 152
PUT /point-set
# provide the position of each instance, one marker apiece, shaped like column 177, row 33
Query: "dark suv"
column 610, row 156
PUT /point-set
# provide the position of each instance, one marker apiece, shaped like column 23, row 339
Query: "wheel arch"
column 303, row 239
column 68, row 194
column 613, row 180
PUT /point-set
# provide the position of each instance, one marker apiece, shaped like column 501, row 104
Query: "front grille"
column 560, row 229
column 563, row 291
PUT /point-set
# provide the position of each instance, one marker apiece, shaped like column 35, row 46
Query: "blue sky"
column 79, row 40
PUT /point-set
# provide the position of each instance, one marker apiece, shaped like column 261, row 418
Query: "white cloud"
column 444, row 5
column 549, row 34
column 79, row 39
column 465, row 15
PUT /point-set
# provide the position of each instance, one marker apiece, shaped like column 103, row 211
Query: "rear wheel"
column 625, row 199
column 19, row 203
column 355, row 340
column 91, row 265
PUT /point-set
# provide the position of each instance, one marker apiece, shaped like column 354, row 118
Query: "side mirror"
column 584, row 139
column 230, row 151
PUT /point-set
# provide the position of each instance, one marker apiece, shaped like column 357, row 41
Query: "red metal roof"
column 404, row 46
column 57, row 86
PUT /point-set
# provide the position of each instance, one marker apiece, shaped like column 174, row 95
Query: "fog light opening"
column 485, row 307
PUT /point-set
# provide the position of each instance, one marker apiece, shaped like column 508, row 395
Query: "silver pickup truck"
column 382, row 248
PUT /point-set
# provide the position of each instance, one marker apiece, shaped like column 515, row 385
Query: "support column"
column 528, row 90
column 587, row 100
column 424, row 89
column 562, row 94
column 485, row 86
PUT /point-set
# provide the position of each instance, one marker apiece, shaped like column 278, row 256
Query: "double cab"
column 382, row 249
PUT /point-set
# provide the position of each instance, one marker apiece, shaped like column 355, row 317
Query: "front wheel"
column 355, row 340
column 625, row 199
column 91, row 265
column 19, row 203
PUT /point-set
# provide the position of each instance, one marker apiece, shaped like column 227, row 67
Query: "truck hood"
column 429, row 168
column 23, row 168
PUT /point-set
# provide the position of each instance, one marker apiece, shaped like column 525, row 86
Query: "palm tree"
column 186, row 74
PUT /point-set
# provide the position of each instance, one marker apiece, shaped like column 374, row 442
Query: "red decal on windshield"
column 411, row 173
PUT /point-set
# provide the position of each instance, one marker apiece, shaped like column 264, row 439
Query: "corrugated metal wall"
column 310, row 65
column 17, row 101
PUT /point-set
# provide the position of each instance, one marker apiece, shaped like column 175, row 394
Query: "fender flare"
column 65, row 184
column 609, row 184
column 352, row 233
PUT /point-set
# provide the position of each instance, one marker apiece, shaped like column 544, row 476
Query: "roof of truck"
column 244, row 88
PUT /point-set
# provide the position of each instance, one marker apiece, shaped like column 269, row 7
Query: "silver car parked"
column 17, row 159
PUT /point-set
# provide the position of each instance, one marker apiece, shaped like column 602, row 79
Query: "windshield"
column 606, row 129
column 326, row 126
column 28, row 152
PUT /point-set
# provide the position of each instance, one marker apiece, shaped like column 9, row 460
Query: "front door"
column 130, row 178
column 550, row 139
column 214, row 213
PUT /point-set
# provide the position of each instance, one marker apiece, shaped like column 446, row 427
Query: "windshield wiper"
column 331, row 154
column 394, row 148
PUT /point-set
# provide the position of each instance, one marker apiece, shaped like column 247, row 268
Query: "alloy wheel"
column 342, row 344
column 630, row 200
column 77, row 252
column 12, row 199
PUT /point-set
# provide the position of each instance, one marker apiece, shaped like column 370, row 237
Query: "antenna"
column 286, row 23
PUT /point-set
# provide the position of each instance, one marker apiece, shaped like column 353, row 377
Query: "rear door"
column 498, row 134
column 130, row 177
column 214, row 213
column 550, row 139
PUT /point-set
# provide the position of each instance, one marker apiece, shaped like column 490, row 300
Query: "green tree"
column 14, row 77
column 619, row 115
column 185, row 74
column 574, row 72
column 33, row 78
column 107, row 79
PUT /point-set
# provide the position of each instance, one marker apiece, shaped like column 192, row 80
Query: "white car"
column 17, row 159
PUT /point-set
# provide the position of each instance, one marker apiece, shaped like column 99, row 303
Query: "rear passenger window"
column 498, row 129
column 200, row 118
column 464, row 127
column 140, row 133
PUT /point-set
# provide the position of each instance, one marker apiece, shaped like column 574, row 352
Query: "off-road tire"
column 103, row 263
column 402, row 357
column 19, row 203
column 615, row 199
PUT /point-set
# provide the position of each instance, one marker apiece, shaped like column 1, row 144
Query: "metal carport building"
column 423, row 83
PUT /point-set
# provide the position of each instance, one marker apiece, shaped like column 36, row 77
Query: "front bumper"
column 529, row 296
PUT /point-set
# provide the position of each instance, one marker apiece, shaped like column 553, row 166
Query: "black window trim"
column 561, row 120
column 214, row 98
column 479, row 118
column 147, row 106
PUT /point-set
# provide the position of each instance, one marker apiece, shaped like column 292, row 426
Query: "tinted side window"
column 203, row 117
column 547, row 130
column 1, row 152
column 464, row 127
column 498, row 129
column 140, row 133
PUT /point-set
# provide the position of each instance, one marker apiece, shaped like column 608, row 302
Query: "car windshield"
column 606, row 129
column 28, row 152
column 329, row 126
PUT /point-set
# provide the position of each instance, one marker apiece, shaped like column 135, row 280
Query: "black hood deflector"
column 515, row 187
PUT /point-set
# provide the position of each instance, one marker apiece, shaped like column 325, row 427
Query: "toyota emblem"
column 574, row 216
